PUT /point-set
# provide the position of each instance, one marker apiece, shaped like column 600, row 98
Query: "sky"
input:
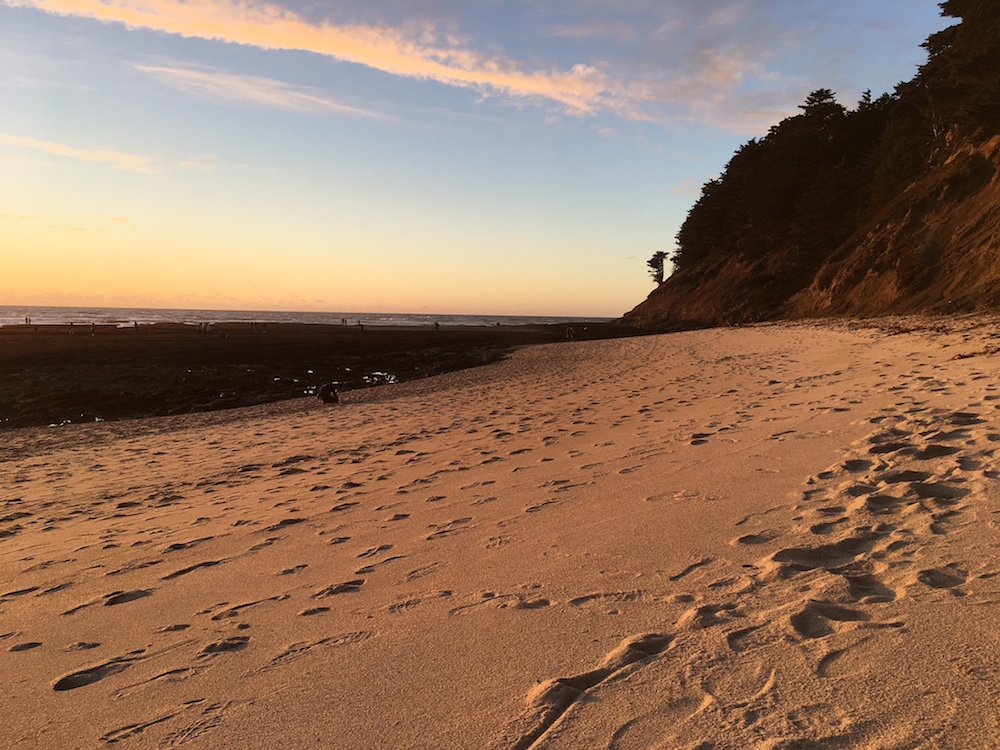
column 424, row 156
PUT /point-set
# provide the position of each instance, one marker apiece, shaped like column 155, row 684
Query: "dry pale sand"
column 772, row 537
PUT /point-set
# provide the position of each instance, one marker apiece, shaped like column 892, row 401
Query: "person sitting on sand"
column 328, row 394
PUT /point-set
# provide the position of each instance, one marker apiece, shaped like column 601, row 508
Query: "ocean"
column 127, row 316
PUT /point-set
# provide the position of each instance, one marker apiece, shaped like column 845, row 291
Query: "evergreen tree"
column 656, row 264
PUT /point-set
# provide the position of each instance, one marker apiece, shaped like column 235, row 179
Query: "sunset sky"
column 490, row 157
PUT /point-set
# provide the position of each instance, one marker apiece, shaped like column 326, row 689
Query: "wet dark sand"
column 52, row 375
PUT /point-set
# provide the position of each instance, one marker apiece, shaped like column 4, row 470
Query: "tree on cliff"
column 799, row 182
column 961, row 79
column 656, row 264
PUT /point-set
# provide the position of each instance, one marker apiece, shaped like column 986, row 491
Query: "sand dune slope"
column 771, row 537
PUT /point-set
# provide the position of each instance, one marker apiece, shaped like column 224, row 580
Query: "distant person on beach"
column 328, row 394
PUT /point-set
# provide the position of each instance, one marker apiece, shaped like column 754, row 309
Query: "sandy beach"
column 777, row 536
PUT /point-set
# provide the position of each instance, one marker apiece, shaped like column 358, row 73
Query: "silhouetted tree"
column 656, row 266
column 822, row 104
column 961, row 79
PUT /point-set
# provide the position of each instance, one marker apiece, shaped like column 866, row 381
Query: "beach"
column 62, row 374
column 773, row 536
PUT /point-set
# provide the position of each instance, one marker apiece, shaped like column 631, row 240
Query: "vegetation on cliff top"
column 787, row 201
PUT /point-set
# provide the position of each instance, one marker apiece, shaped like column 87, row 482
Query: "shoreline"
column 127, row 317
column 57, row 375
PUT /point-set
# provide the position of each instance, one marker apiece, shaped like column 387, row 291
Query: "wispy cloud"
column 582, row 89
column 215, row 85
column 200, row 163
column 117, row 159
column 597, row 28
column 684, row 62
column 20, row 217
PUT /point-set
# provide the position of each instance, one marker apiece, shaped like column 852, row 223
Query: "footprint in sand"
column 889, row 446
column 235, row 610
column 419, row 573
column 825, row 556
column 943, row 578
column 814, row 620
column 82, row 646
column 98, row 672
column 826, row 527
column 895, row 477
column 177, row 546
column 761, row 537
column 403, row 606
column 227, row 645
column 367, row 569
column 347, row 587
column 941, row 493
column 447, row 529
column 691, row 568
column 298, row 650
column 313, row 611
column 615, row 597
column 124, row 597
column 737, row 640
column 935, row 450
column 373, row 551
column 865, row 588
column 283, row 524
column 112, row 599
column 25, row 646
column 204, row 564
column 549, row 700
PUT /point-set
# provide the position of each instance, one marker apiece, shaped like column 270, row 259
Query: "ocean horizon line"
column 11, row 315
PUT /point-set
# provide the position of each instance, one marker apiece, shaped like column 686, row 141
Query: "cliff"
column 891, row 207
column 934, row 247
